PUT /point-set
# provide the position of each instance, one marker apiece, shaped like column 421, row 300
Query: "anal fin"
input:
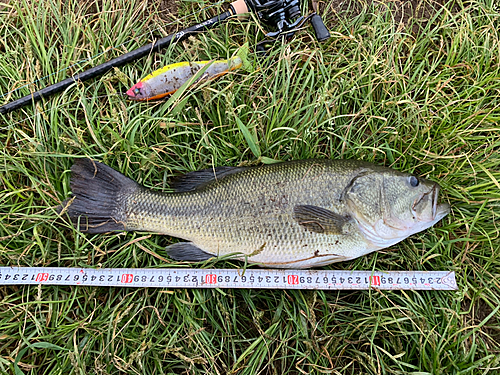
column 186, row 251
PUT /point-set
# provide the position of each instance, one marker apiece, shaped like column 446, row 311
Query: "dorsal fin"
column 197, row 179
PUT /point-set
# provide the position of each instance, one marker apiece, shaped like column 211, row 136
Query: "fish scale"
column 232, row 221
column 295, row 214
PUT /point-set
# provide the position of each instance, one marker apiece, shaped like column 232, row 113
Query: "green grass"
column 426, row 101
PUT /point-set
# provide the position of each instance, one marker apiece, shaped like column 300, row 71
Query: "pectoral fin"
column 186, row 251
column 319, row 220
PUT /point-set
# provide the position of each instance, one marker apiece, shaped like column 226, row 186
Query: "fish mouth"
column 435, row 194
column 135, row 92
column 438, row 211
column 130, row 92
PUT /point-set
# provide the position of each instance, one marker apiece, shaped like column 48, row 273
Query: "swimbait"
column 169, row 79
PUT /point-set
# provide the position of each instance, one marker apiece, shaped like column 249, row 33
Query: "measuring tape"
column 229, row 278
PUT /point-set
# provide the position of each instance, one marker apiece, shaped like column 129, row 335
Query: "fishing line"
column 111, row 49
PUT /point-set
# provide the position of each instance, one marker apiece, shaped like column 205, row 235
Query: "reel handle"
column 320, row 30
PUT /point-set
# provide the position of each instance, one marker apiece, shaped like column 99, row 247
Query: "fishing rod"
column 282, row 15
column 236, row 7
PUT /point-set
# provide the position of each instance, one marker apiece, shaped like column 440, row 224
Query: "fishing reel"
column 285, row 17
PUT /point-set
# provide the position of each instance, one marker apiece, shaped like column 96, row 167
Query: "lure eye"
column 414, row 182
column 137, row 91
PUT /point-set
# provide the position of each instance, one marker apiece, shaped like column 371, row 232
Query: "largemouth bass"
column 296, row 214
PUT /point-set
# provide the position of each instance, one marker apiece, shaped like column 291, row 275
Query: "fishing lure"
column 169, row 79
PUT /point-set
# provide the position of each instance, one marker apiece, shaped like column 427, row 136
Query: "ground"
column 388, row 87
column 402, row 11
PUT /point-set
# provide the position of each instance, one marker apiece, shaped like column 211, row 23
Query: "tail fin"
column 99, row 197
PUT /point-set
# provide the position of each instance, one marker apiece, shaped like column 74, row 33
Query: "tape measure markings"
column 229, row 278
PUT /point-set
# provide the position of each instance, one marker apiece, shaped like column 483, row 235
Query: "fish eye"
column 137, row 91
column 414, row 181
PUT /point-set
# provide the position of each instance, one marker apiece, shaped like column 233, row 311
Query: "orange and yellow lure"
column 169, row 79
